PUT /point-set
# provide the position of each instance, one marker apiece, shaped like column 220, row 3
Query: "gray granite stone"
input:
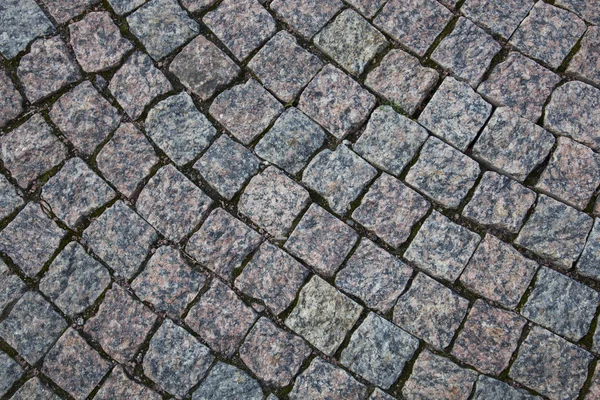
column 21, row 21
column 488, row 388
column 63, row 11
column 11, row 101
column 587, row 9
column 121, row 7
column 390, row 140
column 368, row 8
column 120, row 386
column 34, row 388
column 589, row 262
column 306, row 17
column 430, row 311
column 10, row 199
column 500, row 16
column 379, row 394
column 176, row 360
column 10, row 372
column 586, row 62
column 442, row 248
column 11, row 287
column 594, row 389
column 455, row 113
column 336, row 101
column 323, row 315
column 197, row 5
column 226, row 382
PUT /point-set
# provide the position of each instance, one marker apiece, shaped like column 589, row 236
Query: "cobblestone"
column 306, row 17
column 21, row 22
column 228, row 382
column 11, row 287
column 589, row 263
column 9, row 373
column 119, row 385
column 500, row 16
column 34, row 389
column 11, row 101
column 586, row 62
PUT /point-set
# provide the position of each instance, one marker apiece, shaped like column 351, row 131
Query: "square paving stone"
column 306, row 17
column 221, row 318
column 137, row 83
column 47, row 68
column 179, row 129
column 74, row 365
column 586, row 62
column 548, row 34
column 85, row 117
column 242, row 25
column 512, row 145
column 10, row 372
column 336, row 101
column 323, row 315
column 587, row 9
column 430, row 311
column 368, row 8
column 466, row 52
column 291, row 141
column 589, row 262
column 11, row 287
column 176, row 360
column 550, row 365
column 284, row 67
column 402, row 80
column 386, row 194
column 555, row 231
column 499, row 202
column 378, row 351
column 121, row 324
column 126, row 159
column 30, row 239
column 351, row 41
column 97, row 42
column 121, row 238
column 75, row 192
column 322, row 380
column 225, row 381
column 273, row 202
column 443, row 173
column 488, row 338
column 455, row 113
column 274, row 355
column 222, row 243
column 390, row 140
column 162, row 26
column 374, row 275
column 442, row 248
column 520, row 83
column 413, row 23
column 321, row 240
column 21, row 21
column 9, row 198
column 167, row 282
column 32, row 327
column 272, row 276
column 339, row 176
column 63, row 11
column 561, row 304
column 31, row 150
column 227, row 166
column 122, row 7
column 74, row 280
column 120, row 386
column 246, row 110
column 488, row 388
column 500, row 16
column 11, row 101
column 498, row 272
column 172, row 204
column 203, row 68
column 34, row 388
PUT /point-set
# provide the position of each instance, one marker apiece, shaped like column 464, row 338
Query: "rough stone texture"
column 323, row 316
column 378, row 394
column 430, row 311
column 10, row 372
column 197, row 5
column 374, row 276
column 388, row 193
column 587, row 9
column 203, row 68
column 246, row 110
column 35, row 388
column 172, row 203
column 512, row 145
column 137, row 83
column 586, row 62
column 368, row 8
column 375, row 335
column 498, row 272
column 176, row 360
column 500, row 16
column 273, row 277
column 443, row 173
column 32, row 327
column 21, row 21
column 226, row 382
column 273, row 201
column 561, row 304
column 589, row 262
column 548, row 34
column 222, row 243
column 321, row 240
column 594, row 390
column 10, row 199
column 555, row 231
column 121, row 7
column 97, row 42
column 120, row 386
column 390, row 140
column 336, row 101
column 75, row 192
column 11, row 287
column 221, row 318
column 519, row 83
column 499, row 202
column 11, row 101
column 250, row 26
column 550, row 365
column 284, row 67
column 455, row 113
column 402, row 80
column 488, row 388
column 306, row 17
column 162, row 26
column 442, row 248
column 121, row 324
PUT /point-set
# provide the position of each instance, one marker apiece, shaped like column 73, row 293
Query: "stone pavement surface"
column 300, row 199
